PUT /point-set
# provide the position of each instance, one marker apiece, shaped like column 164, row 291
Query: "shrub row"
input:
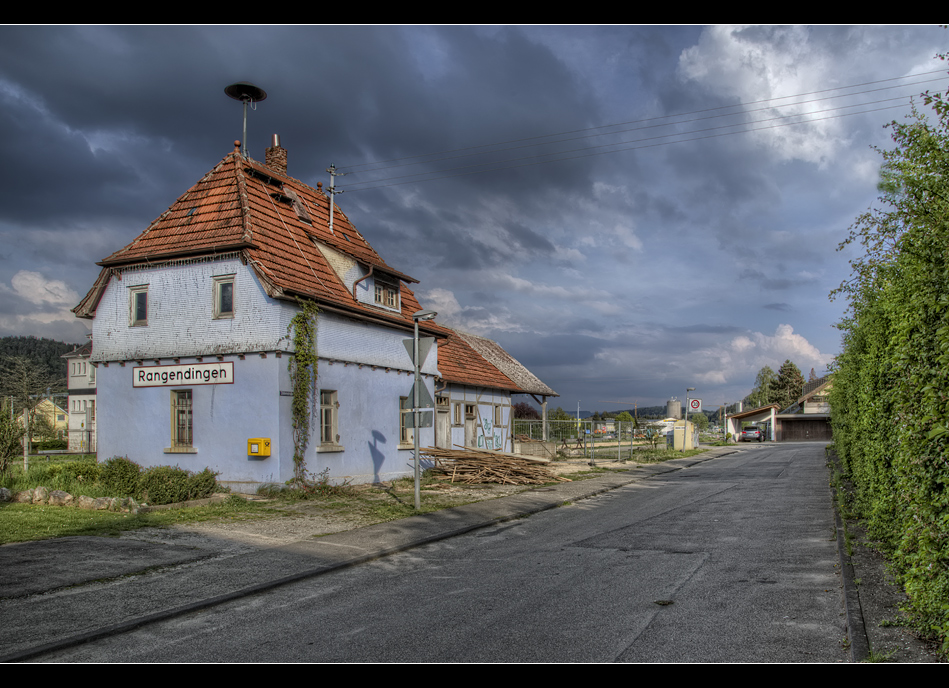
column 156, row 485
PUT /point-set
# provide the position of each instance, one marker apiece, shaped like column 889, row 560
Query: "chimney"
column 275, row 157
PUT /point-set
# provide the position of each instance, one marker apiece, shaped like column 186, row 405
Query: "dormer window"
column 387, row 294
column 298, row 207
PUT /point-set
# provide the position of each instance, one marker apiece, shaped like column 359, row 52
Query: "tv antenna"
column 246, row 93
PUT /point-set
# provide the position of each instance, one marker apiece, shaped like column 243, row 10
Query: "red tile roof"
column 472, row 360
column 243, row 205
column 461, row 364
column 246, row 207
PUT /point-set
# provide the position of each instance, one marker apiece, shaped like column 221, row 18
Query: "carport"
column 764, row 414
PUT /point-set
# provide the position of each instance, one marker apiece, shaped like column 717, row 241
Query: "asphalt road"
column 728, row 560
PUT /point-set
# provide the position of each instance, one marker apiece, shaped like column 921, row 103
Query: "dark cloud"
column 103, row 127
column 555, row 350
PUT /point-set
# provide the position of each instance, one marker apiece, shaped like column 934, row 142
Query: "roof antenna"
column 333, row 175
column 246, row 93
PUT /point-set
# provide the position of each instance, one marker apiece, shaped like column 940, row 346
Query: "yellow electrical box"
column 258, row 446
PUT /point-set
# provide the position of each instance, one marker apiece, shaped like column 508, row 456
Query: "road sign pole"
column 415, row 424
column 416, row 395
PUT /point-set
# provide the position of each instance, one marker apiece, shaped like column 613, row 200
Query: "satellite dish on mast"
column 246, row 93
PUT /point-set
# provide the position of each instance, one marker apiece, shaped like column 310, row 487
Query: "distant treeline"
column 654, row 412
column 47, row 354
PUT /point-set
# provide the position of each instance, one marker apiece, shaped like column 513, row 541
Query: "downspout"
column 365, row 277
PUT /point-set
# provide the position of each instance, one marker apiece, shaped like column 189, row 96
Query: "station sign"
column 218, row 373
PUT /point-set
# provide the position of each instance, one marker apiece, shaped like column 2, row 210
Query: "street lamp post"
column 685, row 423
column 420, row 315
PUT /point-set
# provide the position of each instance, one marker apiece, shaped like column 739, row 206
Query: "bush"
column 82, row 472
column 50, row 445
column 121, row 476
column 171, row 484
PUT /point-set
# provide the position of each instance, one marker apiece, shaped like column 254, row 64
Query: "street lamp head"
column 690, row 389
column 424, row 315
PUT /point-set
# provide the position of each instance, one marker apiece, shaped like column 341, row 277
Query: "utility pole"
column 333, row 175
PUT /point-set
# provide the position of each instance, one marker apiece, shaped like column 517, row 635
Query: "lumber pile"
column 468, row 465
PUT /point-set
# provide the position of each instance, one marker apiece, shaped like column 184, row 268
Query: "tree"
column 763, row 390
column 27, row 384
column 700, row 420
column 524, row 411
column 559, row 414
column 11, row 439
column 789, row 385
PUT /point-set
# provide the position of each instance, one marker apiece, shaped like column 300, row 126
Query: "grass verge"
column 24, row 522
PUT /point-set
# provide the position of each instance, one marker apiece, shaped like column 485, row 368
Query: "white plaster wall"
column 180, row 315
column 136, row 422
column 490, row 437
column 346, row 339
column 368, row 423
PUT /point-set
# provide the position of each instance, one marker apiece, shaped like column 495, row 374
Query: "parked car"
column 752, row 433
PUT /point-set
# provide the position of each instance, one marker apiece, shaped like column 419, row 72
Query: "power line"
column 640, row 121
column 667, row 120
column 624, row 146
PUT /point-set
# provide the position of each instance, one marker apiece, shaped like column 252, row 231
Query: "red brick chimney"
column 275, row 157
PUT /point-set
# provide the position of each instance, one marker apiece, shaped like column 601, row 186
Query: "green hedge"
column 890, row 396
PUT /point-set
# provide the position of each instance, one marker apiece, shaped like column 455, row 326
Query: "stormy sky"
column 628, row 210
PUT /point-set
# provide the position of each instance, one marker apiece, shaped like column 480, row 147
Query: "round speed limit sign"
column 695, row 405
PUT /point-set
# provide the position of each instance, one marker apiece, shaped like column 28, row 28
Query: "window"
column 224, row 297
column 406, row 423
column 329, row 421
column 457, row 420
column 138, row 306
column 182, row 429
column 387, row 294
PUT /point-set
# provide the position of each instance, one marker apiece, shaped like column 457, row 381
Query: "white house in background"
column 190, row 325
column 81, row 405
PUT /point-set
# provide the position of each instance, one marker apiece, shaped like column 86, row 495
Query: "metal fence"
column 594, row 439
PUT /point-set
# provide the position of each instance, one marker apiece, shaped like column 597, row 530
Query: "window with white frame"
column 329, row 419
column 138, row 305
column 387, row 294
column 223, row 297
column 406, row 423
column 182, row 419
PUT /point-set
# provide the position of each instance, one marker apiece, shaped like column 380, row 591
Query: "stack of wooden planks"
column 468, row 465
